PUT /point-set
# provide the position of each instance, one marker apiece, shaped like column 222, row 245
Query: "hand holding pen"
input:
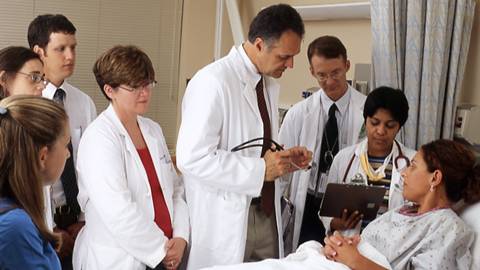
column 282, row 162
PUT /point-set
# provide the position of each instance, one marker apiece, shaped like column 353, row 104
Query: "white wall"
column 198, row 33
column 471, row 82
column 355, row 34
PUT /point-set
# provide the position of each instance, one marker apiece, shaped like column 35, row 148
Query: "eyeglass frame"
column 148, row 86
column 35, row 77
column 335, row 75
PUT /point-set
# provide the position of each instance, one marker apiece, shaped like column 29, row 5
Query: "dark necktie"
column 330, row 144
column 68, row 178
column 268, row 189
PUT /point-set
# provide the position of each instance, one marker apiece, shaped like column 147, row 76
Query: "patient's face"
column 416, row 184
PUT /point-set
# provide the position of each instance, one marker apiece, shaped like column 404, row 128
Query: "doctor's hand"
column 277, row 164
column 75, row 228
column 175, row 250
column 346, row 221
column 300, row 156
column 66, row 248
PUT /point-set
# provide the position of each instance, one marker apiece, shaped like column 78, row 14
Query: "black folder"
column 364, row 199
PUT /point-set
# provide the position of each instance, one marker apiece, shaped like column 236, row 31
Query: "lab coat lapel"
column 356, row 117
column 132, row 153
column 273, row 92
column 248, row 90
column 251, row 97
column 312, row 126
column 313, row 123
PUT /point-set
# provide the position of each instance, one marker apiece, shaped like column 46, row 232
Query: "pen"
column 296, row 166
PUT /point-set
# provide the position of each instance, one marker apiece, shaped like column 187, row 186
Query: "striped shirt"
column 375, row 163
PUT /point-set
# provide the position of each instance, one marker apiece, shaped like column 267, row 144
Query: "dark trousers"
column 66, row 263
column 62, row 221
column 159, row 267
column 312, row 228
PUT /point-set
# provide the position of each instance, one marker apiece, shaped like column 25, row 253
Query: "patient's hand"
column 346, row 221
column 344, row 250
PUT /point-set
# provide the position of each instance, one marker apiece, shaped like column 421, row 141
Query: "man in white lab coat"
column 327, row 121
column 227, row 103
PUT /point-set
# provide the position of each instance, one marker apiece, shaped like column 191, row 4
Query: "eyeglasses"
column 335, row 75
column 136, row 90
column 35, row 77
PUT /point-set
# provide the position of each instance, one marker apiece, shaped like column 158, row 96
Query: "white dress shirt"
column 342, row 123
column 81, row 112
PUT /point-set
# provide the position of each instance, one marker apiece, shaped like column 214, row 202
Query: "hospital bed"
column 471, row 216
column 309, row 259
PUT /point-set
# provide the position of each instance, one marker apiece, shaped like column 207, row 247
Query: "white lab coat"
column 219, row 112
column 302, row 125
column 340, row 164
column 114, row 193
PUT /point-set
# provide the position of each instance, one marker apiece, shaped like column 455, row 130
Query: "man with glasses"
column 327, row 121
column 226, row 104
column 53, row 38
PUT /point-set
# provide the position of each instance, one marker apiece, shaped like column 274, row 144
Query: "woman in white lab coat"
column 379, row 158
column 135, row 212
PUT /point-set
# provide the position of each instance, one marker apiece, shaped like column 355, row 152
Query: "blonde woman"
column 34, row 136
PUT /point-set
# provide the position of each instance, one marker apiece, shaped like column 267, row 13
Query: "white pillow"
column 471, row 216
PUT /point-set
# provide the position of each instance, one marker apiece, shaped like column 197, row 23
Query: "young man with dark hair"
column 327, row 121
column 227, row 103
column 53, row 38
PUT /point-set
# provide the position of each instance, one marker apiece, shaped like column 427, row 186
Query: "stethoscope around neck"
column 396, row 160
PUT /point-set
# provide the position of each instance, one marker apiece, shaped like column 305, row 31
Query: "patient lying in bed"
column 426, row 234
column 437, row 239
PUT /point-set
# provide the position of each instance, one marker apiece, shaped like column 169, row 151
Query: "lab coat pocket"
column 107, row 257
column 227, row 216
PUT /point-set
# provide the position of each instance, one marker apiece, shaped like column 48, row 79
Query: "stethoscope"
column 396, row 161
column 274, row 146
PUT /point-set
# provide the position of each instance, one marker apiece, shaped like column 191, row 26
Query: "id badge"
column 322, row 183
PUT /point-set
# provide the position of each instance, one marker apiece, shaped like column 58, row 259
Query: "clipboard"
column 364, row 199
